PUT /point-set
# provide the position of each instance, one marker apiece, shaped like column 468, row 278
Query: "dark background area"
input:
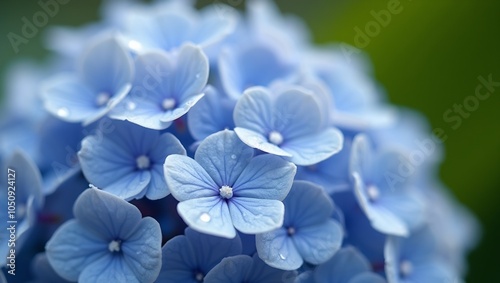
column 428, row 57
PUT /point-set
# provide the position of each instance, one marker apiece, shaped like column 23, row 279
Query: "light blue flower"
column 128, row 161
column 244, row 269
column 165, row 87
column 188, row 258
column 212, row 114
column 103, row 80
column 392, row 208
column 287, row 124
column 20, row 200
column 308, row 234
column 416, row 259
column 108, row 241
column 347, row 266
column 226, row 187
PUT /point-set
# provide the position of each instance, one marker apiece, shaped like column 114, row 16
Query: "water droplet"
column 63, row 112
column 134, row 45
column 198, row 75
column 233, row 156
column 205, row 217
column 282, row 256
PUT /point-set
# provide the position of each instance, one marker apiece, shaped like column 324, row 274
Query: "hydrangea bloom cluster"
column 213, row 145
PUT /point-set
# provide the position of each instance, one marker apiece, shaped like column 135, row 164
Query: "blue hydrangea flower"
column 188, row 258
column 128, row 161
column 165, row 87
column 308, row 233
column 103, row 80
column 212, row 114
column 21, row 193
column 347, row 266
column 287, row 124
column 108, row 243
column 244, row 269
column 416, row 259
column 391, row 209
column 226, row 187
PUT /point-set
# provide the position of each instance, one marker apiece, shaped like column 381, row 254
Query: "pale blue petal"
column 307, row 205
column 69, row 99
column 186, row 179
column 369, row 277
column 258, row 141
column 314, row 148
column 191, row 73
column 253, row 111
column 142, row 250
column 252, row 216
column 106, row 66
column 130, row 185
column 382, row 219
column 296, row 114
column 361, row 161
column 342, row 267
column 212, row 114
column 317, row 244
column 277, row 249
column 113, row 102
column 224, row 157
column 110, row 216
column 266, row 177
column 209, row 215
column 210, row 250
column 217, row 22
column 109, row 268
column 407, row 205
column 232, row 269
column 72, row 248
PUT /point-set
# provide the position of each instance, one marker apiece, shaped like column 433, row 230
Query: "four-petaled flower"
column 226, row 187
column 108, row 241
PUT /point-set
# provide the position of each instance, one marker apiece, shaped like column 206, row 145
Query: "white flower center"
column 102, row 98
column 290, row 231
column 405, row 268
column 114, row 246
column 142, row 162
column 199, row 277
column 275, row 138
column 373, row 193
column 226, row 192
column 168, row 103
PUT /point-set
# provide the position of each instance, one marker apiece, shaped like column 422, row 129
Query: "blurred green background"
column 428, row 57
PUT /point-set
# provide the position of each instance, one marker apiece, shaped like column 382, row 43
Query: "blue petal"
column 307, row 205
column 186, row 179
column 258, row 141
column 266, row 177
column 224, row 157
column 277, row 249
column 342, row 267
column 179, row 261
column 254, row 111
column 361, row 160
column 407, row 205
column 313, row 148
column 110, row 216
column 296, row 114
column 381, row 218
column 191, row 74
column 252, row 216
column 211, row 114
column 142, row 250
column 108, row 268
column 263, row 273
column 106, row 66
column 69, row 99
column 232, row 269
column 317, row 244
column 72, row 248
column 166, row 145
column 210, row 250
column 208, row 215
column 369, row 277
column 43, row 271
column 182, row 109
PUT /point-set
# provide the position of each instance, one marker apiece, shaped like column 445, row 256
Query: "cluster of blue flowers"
column 185, row 145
